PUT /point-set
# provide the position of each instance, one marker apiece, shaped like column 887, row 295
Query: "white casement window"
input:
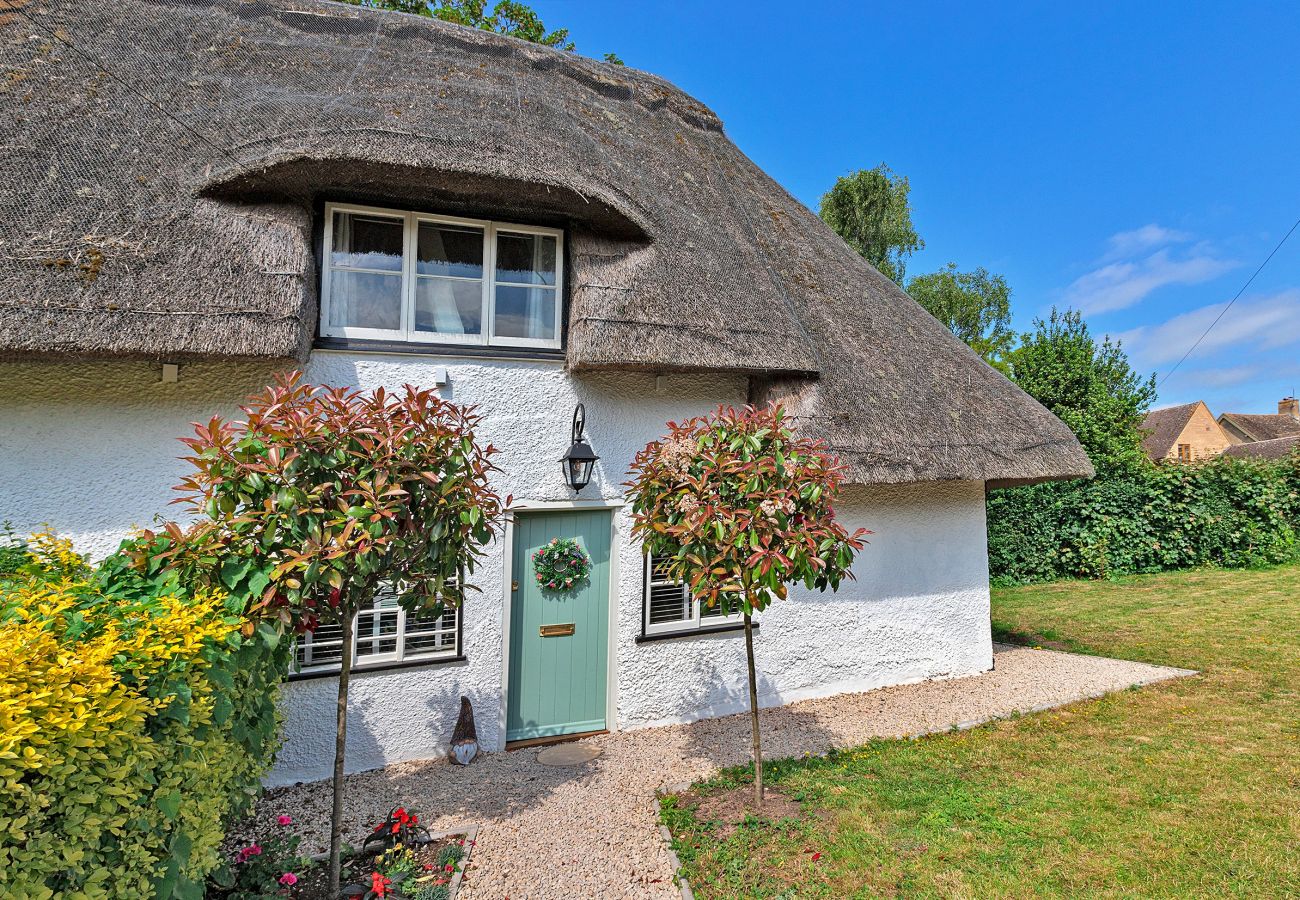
column 669, row 606
column 385, row 634
column 403, row 276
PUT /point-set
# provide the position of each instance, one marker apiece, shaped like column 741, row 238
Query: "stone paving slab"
column 591, row 830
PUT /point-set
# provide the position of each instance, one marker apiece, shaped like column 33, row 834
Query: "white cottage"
column 198, row 194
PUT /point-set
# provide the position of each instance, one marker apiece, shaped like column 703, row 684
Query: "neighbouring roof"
column 1163, row 426
column 164, row 162
column 1277, row 448
column 1265, row 427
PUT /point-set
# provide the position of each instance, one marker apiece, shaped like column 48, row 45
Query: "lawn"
column 1190, row 788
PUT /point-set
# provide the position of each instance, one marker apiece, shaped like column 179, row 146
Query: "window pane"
column 525, row 258
column 719, row 609
column 668, row 603
column 363, row 241
column 365, row 300
column 313, row 654
column 445, row 306
column 449, row 250
column 525, row 313
column 431, row 633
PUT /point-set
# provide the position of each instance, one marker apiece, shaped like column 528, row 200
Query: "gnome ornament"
column 464, row 740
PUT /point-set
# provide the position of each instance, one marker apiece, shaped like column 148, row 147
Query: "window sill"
column 692, row 632
column 386, row 667
column 482, row 351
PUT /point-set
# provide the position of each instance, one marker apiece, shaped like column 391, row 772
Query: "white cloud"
column 1148, row 237
column 1118, row 285
column 1265, row 323
column 1224, row 377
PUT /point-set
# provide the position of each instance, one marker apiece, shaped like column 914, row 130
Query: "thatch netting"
column 164, row 162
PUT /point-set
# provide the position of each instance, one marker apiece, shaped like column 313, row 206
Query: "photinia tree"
column 332, row 494
column 739, row 508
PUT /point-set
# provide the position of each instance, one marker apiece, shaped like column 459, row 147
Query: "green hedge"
column 1227, row 512
column 138, row 717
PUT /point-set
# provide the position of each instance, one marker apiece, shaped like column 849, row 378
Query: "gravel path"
column 592, row 830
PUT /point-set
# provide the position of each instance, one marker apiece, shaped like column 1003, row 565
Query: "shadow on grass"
column 1047, row 639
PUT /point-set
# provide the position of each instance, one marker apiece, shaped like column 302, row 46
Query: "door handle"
column 514, row 585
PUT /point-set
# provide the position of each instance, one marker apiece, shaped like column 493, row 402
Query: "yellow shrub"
column 130, row 728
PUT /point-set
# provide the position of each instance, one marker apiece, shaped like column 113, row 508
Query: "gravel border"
column 593, row 830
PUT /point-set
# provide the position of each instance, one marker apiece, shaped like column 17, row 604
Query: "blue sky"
column 1135, row 161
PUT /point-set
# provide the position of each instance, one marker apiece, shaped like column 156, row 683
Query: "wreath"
column 561, row 564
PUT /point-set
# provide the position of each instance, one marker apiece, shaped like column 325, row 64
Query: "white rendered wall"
column 918, row 609
column 91, row 449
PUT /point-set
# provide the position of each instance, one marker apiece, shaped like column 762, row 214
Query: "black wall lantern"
column 580, row 460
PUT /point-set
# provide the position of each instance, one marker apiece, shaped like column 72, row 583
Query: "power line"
column 1230, row 302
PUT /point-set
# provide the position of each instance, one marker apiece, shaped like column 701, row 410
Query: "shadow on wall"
column 386, row 724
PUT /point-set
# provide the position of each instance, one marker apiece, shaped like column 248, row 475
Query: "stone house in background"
column 1186, row 433
column 1190, row 433
column 1246, row 428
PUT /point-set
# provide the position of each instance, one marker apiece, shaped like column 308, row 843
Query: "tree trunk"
column 340, row 749
column 753, row 713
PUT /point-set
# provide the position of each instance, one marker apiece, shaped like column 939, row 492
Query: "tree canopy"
column 343, row 493
column 1090, row 386
column 870, row 210
column 509, row 17
column 976, row 307
column 740, row 508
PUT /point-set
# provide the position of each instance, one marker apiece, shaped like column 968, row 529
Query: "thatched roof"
column 1277, row 448
column 1162, row 427
column 164, row 161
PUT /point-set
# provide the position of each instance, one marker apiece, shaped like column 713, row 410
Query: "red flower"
column 816, row 856
column 379, row 884
column 450, row 867
column 288, row 879
column 284, row 820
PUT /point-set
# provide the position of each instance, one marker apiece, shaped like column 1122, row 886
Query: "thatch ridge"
column 166, row 161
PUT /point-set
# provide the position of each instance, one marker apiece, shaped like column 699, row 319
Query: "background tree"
column 739, row 508
column 1090, row 386
column 870, row 210
column 338, row 494
column 976, row 307
column 508, row 17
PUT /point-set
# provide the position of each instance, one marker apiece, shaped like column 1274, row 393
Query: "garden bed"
column 400, row 860
column 436, row 866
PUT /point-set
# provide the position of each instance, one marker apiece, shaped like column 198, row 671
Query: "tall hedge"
column 1227, row 512
column 135, row 718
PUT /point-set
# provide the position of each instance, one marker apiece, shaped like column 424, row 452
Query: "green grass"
column 1188, row 788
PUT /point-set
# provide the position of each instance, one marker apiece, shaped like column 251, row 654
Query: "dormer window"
column 401, row 276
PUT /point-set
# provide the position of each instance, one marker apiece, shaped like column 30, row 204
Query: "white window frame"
column 487, row 335
column 398, row 656
column 676, row 626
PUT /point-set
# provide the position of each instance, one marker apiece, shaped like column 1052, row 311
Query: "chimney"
column 1289, row 406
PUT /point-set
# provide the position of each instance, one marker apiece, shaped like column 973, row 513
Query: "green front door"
column 559, row 640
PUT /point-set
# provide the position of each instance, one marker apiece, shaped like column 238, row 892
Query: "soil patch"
column 729, row 808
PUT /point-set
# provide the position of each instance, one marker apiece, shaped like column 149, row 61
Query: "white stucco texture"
column 917, row 609
column 91, row 450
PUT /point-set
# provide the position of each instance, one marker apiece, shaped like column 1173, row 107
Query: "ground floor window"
column 385, row 634
column 669, row 606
